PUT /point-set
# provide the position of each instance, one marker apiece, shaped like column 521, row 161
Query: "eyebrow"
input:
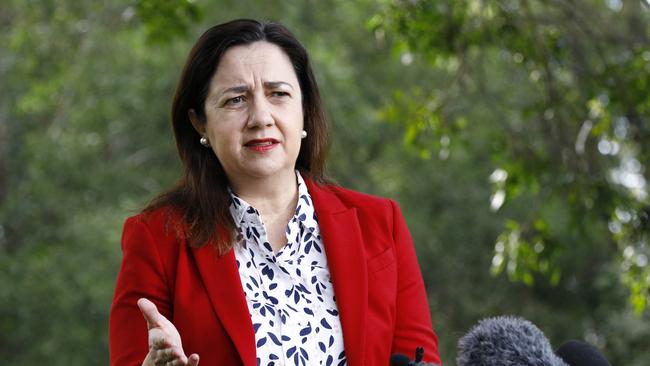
column 267, row 85
column 276, row 84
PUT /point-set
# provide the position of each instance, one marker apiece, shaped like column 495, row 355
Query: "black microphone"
column 506, row 341
column 399, row 360
column 402, row 360
column 577, row 353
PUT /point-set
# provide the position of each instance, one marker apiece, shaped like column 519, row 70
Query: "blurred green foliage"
column 565, row 88
column 514, row 134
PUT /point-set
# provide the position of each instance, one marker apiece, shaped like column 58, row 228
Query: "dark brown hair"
column 201, row 195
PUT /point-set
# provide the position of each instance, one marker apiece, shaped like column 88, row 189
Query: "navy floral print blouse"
column 289, row 293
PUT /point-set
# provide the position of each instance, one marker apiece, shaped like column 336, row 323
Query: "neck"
column 271, row 196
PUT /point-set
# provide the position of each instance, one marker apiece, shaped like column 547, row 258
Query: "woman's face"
column 253, row 110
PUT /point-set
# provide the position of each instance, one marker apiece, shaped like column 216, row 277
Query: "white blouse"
column 289, row 293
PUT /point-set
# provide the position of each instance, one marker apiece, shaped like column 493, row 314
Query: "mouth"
column 261, row 145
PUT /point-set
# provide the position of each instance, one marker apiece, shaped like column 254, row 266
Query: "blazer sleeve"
column 413, row 321
column 141, row 275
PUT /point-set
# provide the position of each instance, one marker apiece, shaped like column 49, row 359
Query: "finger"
column 150, row 313
column 148, row 361
column 193, row 360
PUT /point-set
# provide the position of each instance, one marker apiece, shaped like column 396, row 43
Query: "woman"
column 253, row 258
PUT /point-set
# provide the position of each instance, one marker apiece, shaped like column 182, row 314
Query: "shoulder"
column 356, row 198
column 156, row 223
column 332, row 197
column 155, row 217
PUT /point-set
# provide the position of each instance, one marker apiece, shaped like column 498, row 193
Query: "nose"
column 260, row 114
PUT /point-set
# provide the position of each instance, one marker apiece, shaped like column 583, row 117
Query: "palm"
column 164, row 333
column 164, row 340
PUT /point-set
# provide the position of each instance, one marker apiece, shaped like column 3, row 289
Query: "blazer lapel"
column 221, row 279
column 344, row 247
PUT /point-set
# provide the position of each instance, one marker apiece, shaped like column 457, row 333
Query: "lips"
column 261, row 145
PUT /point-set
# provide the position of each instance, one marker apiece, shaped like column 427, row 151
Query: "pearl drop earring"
column 303, row 134
column 204, row 142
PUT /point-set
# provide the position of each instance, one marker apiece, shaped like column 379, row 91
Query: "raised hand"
column 165, row 346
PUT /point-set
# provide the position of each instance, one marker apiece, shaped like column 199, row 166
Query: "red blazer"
column 377, row 283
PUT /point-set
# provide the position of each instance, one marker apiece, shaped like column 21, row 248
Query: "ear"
column 198, row 125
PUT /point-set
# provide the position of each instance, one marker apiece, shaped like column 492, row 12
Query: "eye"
column 279, row 93
column 236, row 100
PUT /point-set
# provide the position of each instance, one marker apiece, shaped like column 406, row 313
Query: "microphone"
column 402, row 360
column 506, row 341
column 399, row 360
column 577, row 353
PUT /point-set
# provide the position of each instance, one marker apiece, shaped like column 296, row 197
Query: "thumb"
column 150, row 313
column 193, row 360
